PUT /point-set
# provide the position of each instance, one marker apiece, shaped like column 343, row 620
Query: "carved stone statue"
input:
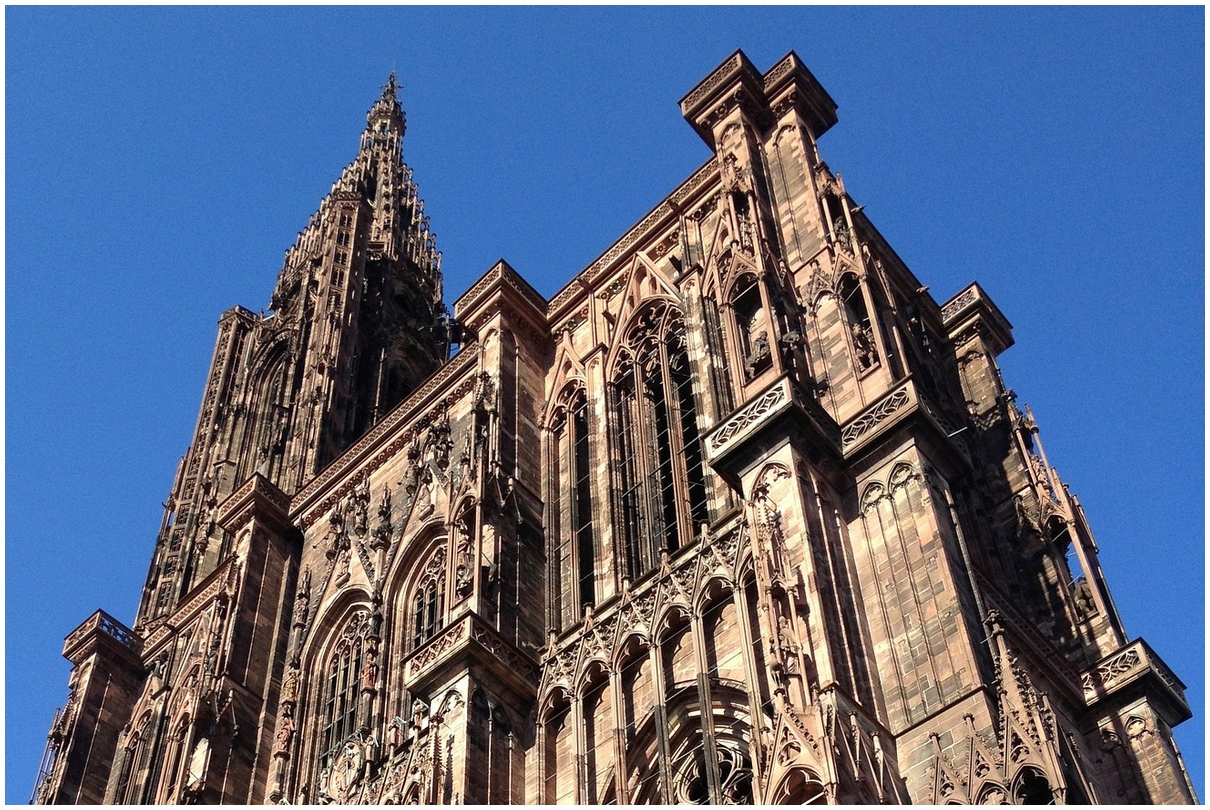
column 284, row 733
column 862, row 347
column 760, row 352
column 361, row 505
column 369, row 671
column 301, row 599
column 420, row 713
column 289, row 686
column 462, row 569
column 789, row 648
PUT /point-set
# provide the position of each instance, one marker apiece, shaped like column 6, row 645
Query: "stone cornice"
column 500, row 275
column 972, row 310
column 789, row 84
column 101, row 629
column 470, row 635
column 256, row 497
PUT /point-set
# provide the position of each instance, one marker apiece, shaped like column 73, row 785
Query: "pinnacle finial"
column 390, row 90
column 387, row 107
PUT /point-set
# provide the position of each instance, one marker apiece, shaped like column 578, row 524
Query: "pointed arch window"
column 133, row 774
column 752, row 327
column 340, row 687
column 720, row 360
column 662, row 486
column 572, row 515
column 428, row 600
column 857, row 322
column 174, row 773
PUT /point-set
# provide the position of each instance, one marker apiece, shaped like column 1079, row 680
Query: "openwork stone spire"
column 351, row 332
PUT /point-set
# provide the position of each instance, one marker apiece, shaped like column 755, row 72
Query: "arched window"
column 1031, row 787
column 857, row 322
column 734, row 774
column 173, row 774
column 662, row 496
column 428, row 600
column 571, row 516
column 132, row 776
column 340, row 688
column 719, row 361
column 751, row 326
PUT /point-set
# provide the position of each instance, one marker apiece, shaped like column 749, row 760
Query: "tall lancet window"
column 572, row 514
column 339, row 688
column 428, row 600
column 662, row 484
column 857, row 318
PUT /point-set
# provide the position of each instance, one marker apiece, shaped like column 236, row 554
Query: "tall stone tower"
column 740, row 515
column 352, row 328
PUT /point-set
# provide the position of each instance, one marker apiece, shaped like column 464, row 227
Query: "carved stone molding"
column 1129, row 664
column 749, row 417
column 864, row 423
column 396, row 419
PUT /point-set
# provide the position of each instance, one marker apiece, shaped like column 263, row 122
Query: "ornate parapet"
column 470, row 636
column 892, row 408
column 972, row 313
column 102, row 630
column 789, row 84
column 1133, row 671
column 782, row 403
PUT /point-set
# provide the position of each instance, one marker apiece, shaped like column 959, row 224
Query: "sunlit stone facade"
column 741, row 514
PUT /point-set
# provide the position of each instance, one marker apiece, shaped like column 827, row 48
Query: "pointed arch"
column 659, row 464
column 1030, row 786
column 871, row 495
column 799, row 786
column 574, row 558
column 643, row 284
column 569, row 374
column 334, row 680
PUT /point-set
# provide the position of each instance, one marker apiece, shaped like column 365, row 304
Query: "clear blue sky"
column 160, row 161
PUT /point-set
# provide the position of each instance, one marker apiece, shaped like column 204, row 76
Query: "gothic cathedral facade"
column 740, row 515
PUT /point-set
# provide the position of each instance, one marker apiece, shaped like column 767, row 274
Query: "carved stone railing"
column 776, row 400
column 470, row 634
column 751, row 415
column 972, row 312
column 960, row 302
column 101, row 623
column 894, row 406
column 1129, row 665
column 901, row 399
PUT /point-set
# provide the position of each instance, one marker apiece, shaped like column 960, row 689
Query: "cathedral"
column 742, row 514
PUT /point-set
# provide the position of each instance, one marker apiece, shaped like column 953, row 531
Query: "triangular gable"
column 643, row 283
column 791, row 748
column 983, row 771
column 947, row 787
column 568, row 369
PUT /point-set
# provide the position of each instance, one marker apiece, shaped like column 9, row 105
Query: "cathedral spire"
column 350, row 335
column 387, row 115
